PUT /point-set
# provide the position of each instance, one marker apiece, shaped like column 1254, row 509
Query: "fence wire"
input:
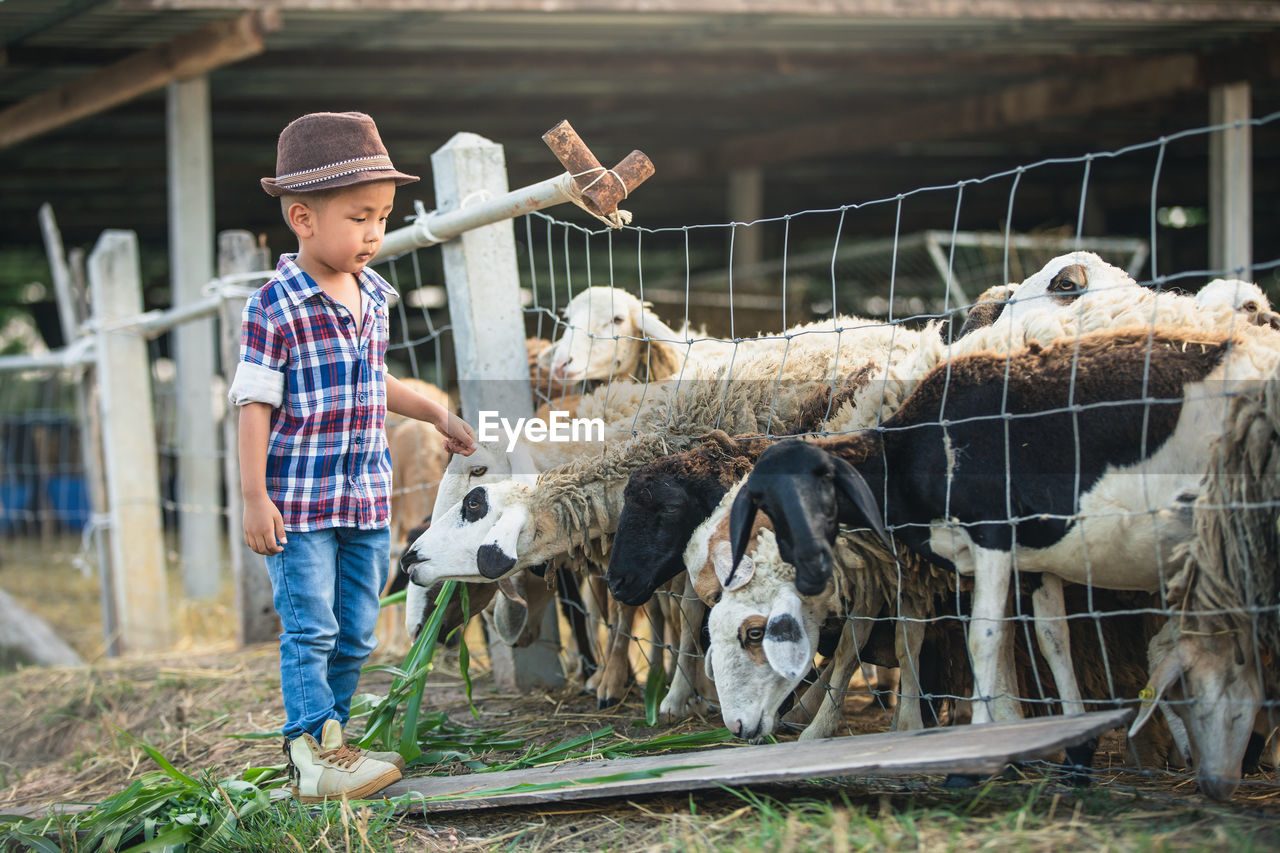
column 885, row 269
column 688, row 278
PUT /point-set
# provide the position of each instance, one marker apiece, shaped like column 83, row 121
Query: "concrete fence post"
column 257, row 622
column 483, row 284
column 190, row 156
column 129, row 446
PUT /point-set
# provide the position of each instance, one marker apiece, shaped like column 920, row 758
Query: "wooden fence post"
column 483, row 283
column 258, row 623
column 129, row 446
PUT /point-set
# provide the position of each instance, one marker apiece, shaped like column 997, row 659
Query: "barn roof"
column 837, row 100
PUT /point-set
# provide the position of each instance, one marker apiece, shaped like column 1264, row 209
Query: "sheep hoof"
column 960, row 780
column 605, row 702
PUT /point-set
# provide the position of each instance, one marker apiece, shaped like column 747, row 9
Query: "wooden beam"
column 968, row 750
column 1017, row 10
column 482, row 64
column 1119, row 85
column 211, row 46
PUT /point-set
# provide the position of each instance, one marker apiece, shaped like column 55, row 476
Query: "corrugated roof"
column 686, row 82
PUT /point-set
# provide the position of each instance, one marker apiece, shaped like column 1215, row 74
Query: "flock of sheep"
column 1070, row 502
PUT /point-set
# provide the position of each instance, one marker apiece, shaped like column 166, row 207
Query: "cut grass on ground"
column 63, row 742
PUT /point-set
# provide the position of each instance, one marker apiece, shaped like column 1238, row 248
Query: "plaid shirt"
column 327, row 458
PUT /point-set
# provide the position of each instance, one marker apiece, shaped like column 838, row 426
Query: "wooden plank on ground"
column 971, row 750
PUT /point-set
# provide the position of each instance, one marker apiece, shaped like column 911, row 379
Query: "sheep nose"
column 1216, row 787
column 407, row 561
column 736, row 728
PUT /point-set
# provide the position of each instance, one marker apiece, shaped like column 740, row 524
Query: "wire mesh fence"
column 907, row 283
column 847, row 316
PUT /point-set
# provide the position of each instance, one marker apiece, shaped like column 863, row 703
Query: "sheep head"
column 1242, row 296
column 807, row 493
column 602, row 338
column 490, row 463
column 492, row 514
column 763, row 637
column 663, row 503
column 1062, row 281
column 1210, row 680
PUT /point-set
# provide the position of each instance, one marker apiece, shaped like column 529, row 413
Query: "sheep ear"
column 510, row 612
column 651, row 326
column 854, row 487
column 523, row 470
column 741, row 517
column 706, row 664
column 787, row 646
column 1168, row 671
column 722, row 560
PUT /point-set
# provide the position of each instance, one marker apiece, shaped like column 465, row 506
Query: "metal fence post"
column 129, row 445
column 256, row 615
column 483, row 283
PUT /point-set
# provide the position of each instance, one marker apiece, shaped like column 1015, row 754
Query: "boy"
column 314, row 466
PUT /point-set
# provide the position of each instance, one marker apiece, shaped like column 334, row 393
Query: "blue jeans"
column 326, row 585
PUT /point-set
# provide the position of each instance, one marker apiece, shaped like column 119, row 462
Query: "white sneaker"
column 389, row 757
column 332, row 770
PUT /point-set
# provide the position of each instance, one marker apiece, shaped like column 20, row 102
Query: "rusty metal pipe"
column 601, row 188
column 441, row 226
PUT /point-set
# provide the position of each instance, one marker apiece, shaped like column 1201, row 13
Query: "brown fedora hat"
column 323, row 151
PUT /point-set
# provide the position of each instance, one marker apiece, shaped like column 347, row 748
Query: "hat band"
column 333, row 170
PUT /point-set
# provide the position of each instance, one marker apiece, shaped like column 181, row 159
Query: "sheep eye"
column 755, row 635
column 617, row 321
column 479, row 471
column 1251, row 307
column 472, row 503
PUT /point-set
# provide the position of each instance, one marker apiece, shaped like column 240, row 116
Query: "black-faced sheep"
column 994, row 458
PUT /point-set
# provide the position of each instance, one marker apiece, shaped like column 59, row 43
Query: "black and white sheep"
column 995, row 459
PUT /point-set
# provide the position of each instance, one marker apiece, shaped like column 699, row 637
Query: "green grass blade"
column 164, row 763
column 394, row 598
column 171, row 837
column 655, row 690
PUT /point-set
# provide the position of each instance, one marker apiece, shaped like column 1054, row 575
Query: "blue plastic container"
column 15, row 498
column 69, row 499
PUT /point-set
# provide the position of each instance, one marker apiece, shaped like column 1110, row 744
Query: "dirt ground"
column 68, row 736
column 65, row 741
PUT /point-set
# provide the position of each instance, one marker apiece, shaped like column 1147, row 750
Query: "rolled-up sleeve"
column 261, row 372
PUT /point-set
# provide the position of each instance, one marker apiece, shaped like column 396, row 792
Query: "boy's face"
column 344, row 231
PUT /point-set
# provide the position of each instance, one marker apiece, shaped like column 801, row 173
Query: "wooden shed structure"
column 914, row 117
column 141, row 114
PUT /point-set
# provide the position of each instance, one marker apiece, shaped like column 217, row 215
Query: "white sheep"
column 1217, row 658
column 609, row 334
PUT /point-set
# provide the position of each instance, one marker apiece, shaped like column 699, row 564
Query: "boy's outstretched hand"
column 459, row 437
